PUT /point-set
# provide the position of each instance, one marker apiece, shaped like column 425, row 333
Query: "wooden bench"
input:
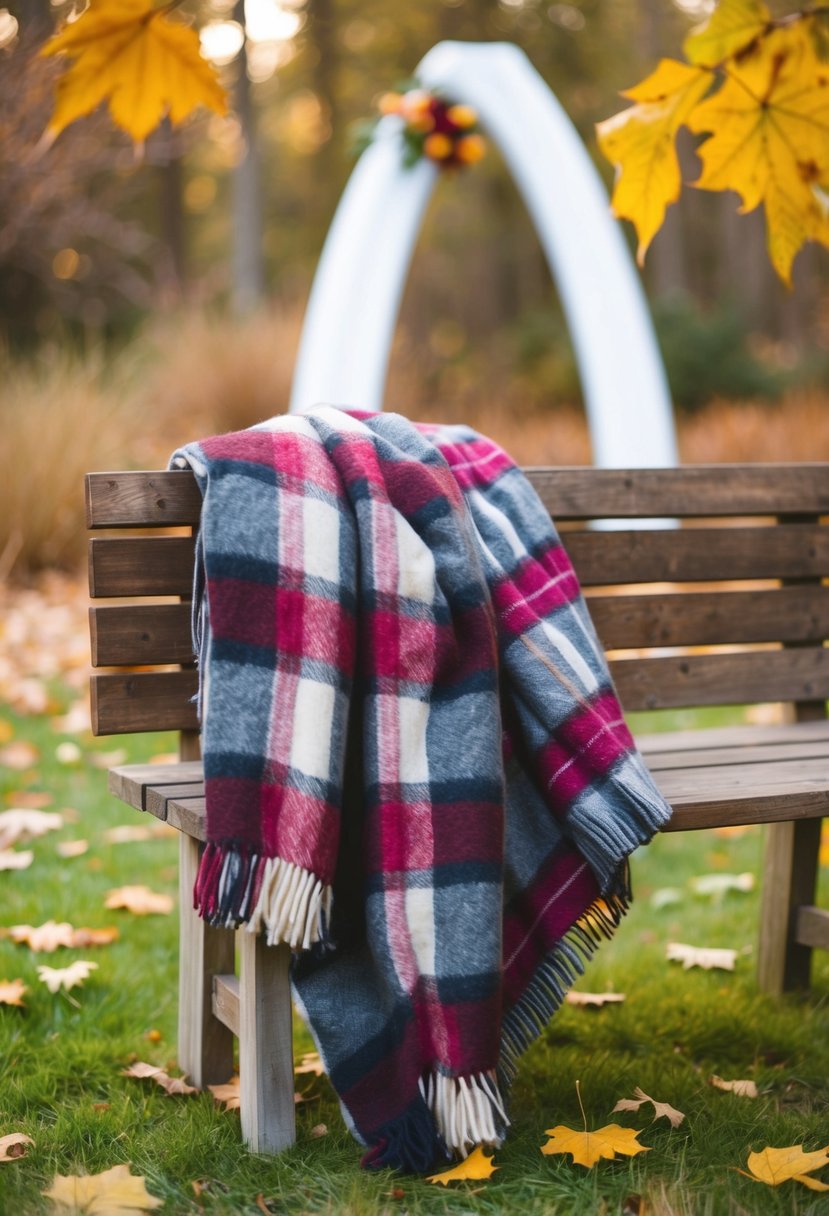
column 729, row 606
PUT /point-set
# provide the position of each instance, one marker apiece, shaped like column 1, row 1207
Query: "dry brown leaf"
column 11, row 992
column 45, row 938
column 594, row 998
column 19, row 755
column 228, row 1093
column 65, row 977
column 310, row 1062
column 139, row 900
column 14, row 1146
column 261, row 1203
column 72, row 848
column 473, row 1168
column 21, row 824
column 743, row 1089
column 16, row 859
column 320, row 1129
column 84, row 937
column 110, row 759
column 662, row 1110
column 170, row 1085
column 776, row 1165
column 114, row 1192
column 68, row 753
column 32, row 800
column 701, row 956
column 136, row 833
column 717, row 886
column 586, row 1148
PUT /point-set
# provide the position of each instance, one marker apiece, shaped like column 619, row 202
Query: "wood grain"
column 813, row 927
column 138, row 565
column 266, row 1063
column 142, row 499
column 226, row 1001
column 141, row 701
column 138, row 635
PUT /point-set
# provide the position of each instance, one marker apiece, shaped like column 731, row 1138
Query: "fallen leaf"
column 586, row 1148
column 661, row 1109
column 700, row 956
column 320, row 1129
column 11, row 859
column 743, row 1089
column 68, row 753
column 228, row 1093
column 19, row 755
column 732, row 831
column 21, row 823
column 776, row 1165
column 43, row 938
column 11, row 992
column 84, row 937
column 136, row 833
column 14, row 1146
column 665, row 897
column 170, row 1085
column 110, row 759
column 139, row 900
column 594, row 998
column 718, row 885
column 65, row 977
column 310, row 1062
column 34, row 800
column 114, row 1192
column 263, row 1206
column 473, row 1168
column 72, row 848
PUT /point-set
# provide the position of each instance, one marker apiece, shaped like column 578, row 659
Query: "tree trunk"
column 248, row 267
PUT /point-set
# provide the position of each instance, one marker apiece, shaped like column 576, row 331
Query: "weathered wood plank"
column 722, row 679
column 139, row 635
column 142, row 499
column 141, row 701
column 813, row 927
column 130, row 782
column 777, row 806
column 659, row 762
column 789, row 881
column 744, row 780
column 704, row 554
column 266, row 1066
column 687, row 491
column 700, row 618
column 733, row 737
column 226, row 1001
column 140, row 565
column 158, row 797
column 189, row 816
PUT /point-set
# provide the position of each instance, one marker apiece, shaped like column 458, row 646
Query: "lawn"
column 62, row 1058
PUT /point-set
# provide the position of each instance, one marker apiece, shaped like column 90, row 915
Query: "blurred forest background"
column 146, row 301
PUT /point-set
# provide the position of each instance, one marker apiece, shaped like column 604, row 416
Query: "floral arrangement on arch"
column 434, row 128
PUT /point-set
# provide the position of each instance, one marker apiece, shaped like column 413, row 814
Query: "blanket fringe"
column 467, row 1110
column 236, row 886
column 525, row 1021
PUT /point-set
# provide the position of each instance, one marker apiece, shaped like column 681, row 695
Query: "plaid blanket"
column 417, row 771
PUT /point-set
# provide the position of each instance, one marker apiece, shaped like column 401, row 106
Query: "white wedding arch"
column 355, row 298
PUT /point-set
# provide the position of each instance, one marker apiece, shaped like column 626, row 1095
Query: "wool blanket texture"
column 417, row 772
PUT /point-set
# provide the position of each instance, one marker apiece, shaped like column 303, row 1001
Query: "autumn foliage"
column 757, row 91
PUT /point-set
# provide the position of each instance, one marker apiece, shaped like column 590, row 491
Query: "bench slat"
column 138, row 565
column 138, row 635
column 744, row 677
column 812, row 927
column 142, row 499
column 143, row 701
column 788, row 614
column 699, row 554
column 130, row 782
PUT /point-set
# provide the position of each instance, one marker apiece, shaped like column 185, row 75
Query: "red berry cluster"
column 440, row 130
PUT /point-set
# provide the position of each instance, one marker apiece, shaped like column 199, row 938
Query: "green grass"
column 61, row 1060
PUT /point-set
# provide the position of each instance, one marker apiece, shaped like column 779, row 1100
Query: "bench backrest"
column 728, row 607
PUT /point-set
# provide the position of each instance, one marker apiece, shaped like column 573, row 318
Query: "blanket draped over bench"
column 417, row 772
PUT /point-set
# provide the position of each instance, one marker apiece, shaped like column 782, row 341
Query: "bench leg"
column 205, row 1046
column 266, row 1065
column 789, row 881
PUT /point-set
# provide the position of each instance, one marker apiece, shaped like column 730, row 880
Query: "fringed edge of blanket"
column 237, row 886
column 557, row 973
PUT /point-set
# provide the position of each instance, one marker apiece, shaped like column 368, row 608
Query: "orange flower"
column 438, row 146
column 390, row 103
column 470, row 149
column 462, row 116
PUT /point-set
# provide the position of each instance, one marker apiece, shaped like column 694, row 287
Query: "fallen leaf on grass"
column 34, row 800
column 700, row 956
column 11, row 992
column 81, row 938
column 21, row 824
column 139, row 900
column 72, row 848
column 321, row 1129
column 776, row 1165
column 718, row 885
column 586, row 1148
column 48, row 937
column 135, row 833
column 661, row 1109
column 170, row 1085
column 310, row 1062
column 14, row 1146
column 114, row 1192
column 594, row 998
column 19, row 755
column 743, row 1089
column 110, row 759
column 68, row 753
column 732, row 831
column 473, row 1168
column 12, row 859
column 227, row 1093
column 65, row 977
column 665, row 897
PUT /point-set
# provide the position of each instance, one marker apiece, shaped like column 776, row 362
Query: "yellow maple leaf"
column 586, row 1148
column 474, row 1168
column 776, row 1165
column 641, row 143
column 114, row 1192
column 768, row 139
column 733, row 25
column 127, row 53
